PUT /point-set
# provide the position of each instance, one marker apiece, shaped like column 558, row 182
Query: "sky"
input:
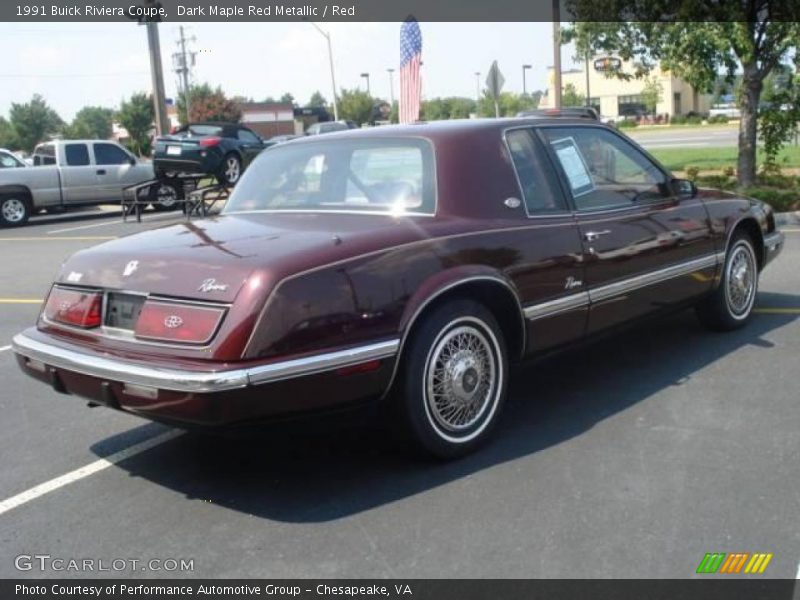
column 77, row 64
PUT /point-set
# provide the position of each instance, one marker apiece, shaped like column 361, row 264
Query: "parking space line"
column 58, row 238
column 777, row 311
column 20, row 300
column 85, row 471
column 4, row 348
column 115, row 221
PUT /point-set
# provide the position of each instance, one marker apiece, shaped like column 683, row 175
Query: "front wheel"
column 455, row 379
column 15, row 209
column 731, row 304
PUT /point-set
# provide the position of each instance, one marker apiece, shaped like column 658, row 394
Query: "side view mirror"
column 684, row 188
column 132, row 160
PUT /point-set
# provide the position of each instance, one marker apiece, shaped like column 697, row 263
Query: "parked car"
column 411, row 264
column 729, row 110
column 9, row 160
column 71, row 173
column 220, row 149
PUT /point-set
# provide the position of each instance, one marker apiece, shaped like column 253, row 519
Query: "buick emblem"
column 173, row 322
column 130, row 268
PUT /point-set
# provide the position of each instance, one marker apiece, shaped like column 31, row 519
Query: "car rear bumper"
column 217, row 394
column 192, row 163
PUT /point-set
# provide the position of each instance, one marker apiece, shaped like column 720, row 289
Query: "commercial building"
column 268, row 119
column 614, row 97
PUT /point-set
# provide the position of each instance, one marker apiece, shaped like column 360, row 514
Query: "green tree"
column 91, row 122
column 455, row 107
column 355, row 105
column 136, row 116
column 7, row 137
column 571, row 97
column 652, row 93
column 509, row 102
column 700, row 40
column 780, row 113
column 317, row 100
column 208, row 104
column 287, row 97
column 33, row 122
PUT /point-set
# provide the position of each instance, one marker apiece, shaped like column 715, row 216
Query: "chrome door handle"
column 591, row 236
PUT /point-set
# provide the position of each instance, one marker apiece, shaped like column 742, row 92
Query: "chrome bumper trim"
column 774, row 240
column 181, row 380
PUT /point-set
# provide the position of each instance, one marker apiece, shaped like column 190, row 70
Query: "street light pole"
column 366, row 76
column 327, row 37
column 157, row 74
column 478, row 87
column 524, row 83
column 391, row 86
column 557, row 54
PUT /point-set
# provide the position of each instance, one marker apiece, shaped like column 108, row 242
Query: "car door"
column 116, row 170
column 549, row 277
column 644, row 246
column 78, row 174
column 249, row 143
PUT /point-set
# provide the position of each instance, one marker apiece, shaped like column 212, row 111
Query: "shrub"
column 722, row 182
column 780, row 200
column 678, row 119
column 694, row 120
column 718, row 119
column 627, row 124
column 692, row 173
column 729, row 171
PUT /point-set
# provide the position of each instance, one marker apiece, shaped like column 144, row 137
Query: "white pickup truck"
column 70, row 173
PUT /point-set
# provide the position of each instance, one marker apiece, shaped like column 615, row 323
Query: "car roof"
column 454, row 127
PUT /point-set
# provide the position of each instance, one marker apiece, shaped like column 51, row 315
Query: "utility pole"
column 157, row 74
column 588, row 92
column 366, row 76
column 478, row 87
column 557, row 54
column 183, row 62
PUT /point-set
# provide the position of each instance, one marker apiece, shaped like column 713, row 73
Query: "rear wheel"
column 231, row 169
column 164, row 196
column 15, row 209
column 454, row 379
column 731, row 304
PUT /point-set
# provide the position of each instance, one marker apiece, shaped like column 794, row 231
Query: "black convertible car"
column 220, row 149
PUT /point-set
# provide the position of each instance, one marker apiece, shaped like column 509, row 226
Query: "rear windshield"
column 199, row 130
column 391, row 176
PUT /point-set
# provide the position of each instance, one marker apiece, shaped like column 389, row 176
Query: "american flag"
column 410, row 60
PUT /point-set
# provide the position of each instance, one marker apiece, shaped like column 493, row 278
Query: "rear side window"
column 44, row 155
column 77, row 155
column 394, row 176
column 248, row 137
column 540, row 190
column 200, row 130
column 109, row 154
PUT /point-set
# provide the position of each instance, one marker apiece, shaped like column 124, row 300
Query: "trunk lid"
column 214, row 259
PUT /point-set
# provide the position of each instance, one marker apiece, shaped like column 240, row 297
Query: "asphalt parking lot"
column 630, row 457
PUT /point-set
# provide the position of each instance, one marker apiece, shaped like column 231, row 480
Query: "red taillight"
column 186, row 323
column 74, row 307
column 210, row 141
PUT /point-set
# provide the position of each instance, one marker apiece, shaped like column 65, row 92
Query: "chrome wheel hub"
column 741, row 280
column 460, row 379
column 13, row 210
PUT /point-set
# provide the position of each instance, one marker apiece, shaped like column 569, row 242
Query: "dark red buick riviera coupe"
column 408, row 264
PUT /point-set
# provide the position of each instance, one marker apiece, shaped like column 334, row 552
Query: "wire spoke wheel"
column 461, row 378
column 740, row 280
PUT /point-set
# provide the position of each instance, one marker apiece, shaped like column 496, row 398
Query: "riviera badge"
column 211, row 285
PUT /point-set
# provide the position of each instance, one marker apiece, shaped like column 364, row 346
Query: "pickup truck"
column 69, row 173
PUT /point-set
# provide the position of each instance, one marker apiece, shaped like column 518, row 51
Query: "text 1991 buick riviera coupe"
column 408, row 263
